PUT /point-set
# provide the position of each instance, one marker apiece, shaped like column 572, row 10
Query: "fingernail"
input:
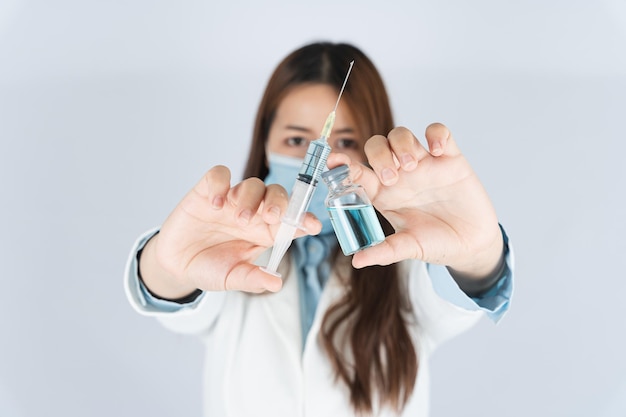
column 387, row 175
column 437, row 148
column 245, row 216
column 274, row 211
column 408, row 162
column 218, row 202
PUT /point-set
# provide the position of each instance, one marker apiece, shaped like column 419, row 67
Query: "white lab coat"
column 255, row 365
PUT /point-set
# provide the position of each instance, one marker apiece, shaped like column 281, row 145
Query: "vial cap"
column 337, row 173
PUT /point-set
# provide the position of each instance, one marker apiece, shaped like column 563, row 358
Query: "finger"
column 337, row 158
column 367, row 178
column 275, row 206
column 230, row 271
column 275, row 203
column 359, row 173
column 440, row 140
column 214, row 186
column 406, row 148
column 395, row 248
column 310, row 225
column 250, row 278
column 381, row 159
column 247, row 197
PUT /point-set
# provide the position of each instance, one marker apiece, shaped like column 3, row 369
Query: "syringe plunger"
column 285, row 235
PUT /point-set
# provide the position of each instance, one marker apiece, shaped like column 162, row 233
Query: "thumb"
column 230, row 273
column 250, row 278
column 395, row 248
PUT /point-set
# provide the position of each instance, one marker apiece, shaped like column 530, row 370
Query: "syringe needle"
column 330, row 120
column 343, row 86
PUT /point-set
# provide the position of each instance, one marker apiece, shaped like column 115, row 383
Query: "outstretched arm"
column 214, row 235
column 438, row 207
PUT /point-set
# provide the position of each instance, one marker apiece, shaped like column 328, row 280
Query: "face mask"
column 283, row 170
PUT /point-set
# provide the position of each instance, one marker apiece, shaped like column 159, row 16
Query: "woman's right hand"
column 214, row 235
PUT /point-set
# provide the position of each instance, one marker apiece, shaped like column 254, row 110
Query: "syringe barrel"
column 306, row 183
column 298, row 203
column 314, row 162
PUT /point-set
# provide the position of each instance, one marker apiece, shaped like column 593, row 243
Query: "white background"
column 111, row 110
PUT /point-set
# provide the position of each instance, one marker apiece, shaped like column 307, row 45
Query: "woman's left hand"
column 439, row 209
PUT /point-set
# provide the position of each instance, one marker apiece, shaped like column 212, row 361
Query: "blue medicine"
column 351, row 212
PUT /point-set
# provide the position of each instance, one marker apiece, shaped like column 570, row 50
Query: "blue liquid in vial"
column 356, row 227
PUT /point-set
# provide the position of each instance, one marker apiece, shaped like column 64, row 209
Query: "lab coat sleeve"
column 494, row 303
column 443, row 310
column 193, row 318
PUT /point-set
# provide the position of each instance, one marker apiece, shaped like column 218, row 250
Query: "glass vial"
column 351, row 212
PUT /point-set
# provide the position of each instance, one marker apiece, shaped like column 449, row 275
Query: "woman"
column 273, row 347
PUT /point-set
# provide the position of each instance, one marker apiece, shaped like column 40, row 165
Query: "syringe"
column 306, row 183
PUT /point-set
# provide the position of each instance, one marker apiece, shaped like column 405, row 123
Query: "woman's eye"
column 297, row 141
column 347, row 144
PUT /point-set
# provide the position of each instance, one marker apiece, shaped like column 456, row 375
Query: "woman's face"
column 300, row 118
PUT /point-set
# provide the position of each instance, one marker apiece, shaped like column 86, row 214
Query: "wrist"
column 157, row 281
column 479, row 276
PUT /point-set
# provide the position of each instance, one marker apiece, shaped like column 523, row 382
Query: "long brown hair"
column 365, row 333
